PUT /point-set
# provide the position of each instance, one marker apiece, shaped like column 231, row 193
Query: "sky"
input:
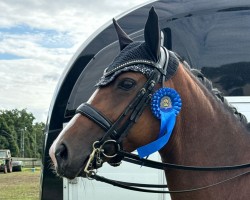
column 37, row 40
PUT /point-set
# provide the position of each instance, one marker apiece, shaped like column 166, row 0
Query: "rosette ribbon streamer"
column 166, row 105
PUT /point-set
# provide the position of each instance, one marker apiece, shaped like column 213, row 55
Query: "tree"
column 20, row 134
column 7, row 137
column 38, row 130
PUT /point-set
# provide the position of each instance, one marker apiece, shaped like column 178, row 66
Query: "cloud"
column 37, row 40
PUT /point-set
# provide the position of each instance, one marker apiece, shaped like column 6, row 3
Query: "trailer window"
column 216, row 42
column 85, row 85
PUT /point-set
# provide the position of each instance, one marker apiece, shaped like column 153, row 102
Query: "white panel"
column 242, row 104
column 92, row 190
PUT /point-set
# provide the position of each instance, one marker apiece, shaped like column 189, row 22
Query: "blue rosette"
column 165, row 100
column 166, row 104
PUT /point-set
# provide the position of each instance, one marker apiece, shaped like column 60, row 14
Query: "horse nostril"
column 61, row 152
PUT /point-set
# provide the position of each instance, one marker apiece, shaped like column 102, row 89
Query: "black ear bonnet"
column 143, row 56
column 134, row 51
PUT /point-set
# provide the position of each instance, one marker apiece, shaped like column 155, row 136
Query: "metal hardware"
column 96, row 156
column 116, row 145
column 89, row 163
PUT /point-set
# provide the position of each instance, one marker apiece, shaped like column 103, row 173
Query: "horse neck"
column 206, row 134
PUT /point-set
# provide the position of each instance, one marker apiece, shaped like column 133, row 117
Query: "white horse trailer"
column 212, row 36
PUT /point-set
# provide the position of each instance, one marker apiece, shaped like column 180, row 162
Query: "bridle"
column 163, row 70
column 115, row 131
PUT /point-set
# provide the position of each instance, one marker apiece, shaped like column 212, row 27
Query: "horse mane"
column 218, row 94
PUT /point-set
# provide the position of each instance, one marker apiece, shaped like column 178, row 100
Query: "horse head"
column 123, row 94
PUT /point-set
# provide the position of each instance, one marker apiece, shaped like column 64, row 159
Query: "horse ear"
column 152, row 33
column 124, row 39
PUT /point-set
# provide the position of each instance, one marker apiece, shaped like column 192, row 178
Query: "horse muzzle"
column 63, row 162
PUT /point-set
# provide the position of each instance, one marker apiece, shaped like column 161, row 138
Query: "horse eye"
column 126, row 84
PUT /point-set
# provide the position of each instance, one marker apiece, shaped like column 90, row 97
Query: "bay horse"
column 132, row 108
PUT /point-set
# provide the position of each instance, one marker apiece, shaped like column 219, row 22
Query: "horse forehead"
column 103, row 91
column 137, row 76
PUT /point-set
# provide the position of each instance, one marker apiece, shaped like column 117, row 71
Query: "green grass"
column 20, row 185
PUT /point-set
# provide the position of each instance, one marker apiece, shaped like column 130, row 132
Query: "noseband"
column 163, row 70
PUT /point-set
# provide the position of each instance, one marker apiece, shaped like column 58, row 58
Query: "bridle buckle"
column 96, row 156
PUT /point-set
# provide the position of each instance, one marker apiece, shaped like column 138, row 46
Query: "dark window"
column 85, row 85
column 216, row 42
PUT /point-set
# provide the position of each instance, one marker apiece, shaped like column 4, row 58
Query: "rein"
column 132, row 158
column 162, row 70
column 137, row 186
